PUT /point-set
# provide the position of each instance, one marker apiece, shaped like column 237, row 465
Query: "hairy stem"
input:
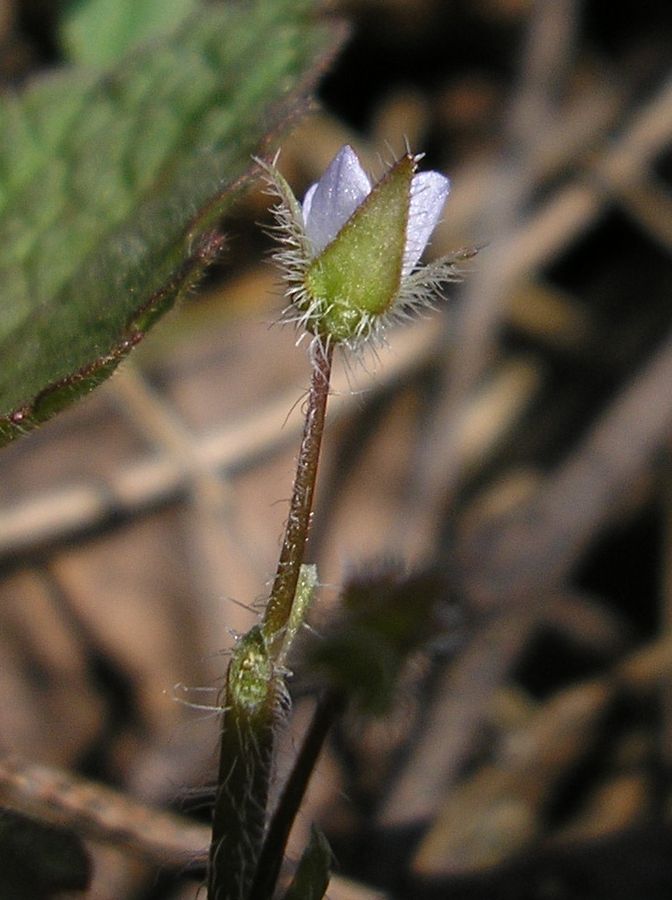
column 245, row 765
column 253, row 691
column 270, row 859
column 298, row 524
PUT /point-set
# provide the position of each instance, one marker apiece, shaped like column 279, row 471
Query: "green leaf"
column 39, row 860
column 98, row 32
column 112, row 184
column 314, row 870
column 303, row 598
column 387, row 615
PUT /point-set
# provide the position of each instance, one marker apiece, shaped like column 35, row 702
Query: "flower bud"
column 351, row 250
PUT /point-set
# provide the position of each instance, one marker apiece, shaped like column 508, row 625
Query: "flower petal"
column 308, row 202
column 429, row 191
column 329, row 204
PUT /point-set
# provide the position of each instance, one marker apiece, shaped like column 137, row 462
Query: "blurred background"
column 519, row 439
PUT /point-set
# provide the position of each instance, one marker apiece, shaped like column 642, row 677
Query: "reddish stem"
column 298, row 523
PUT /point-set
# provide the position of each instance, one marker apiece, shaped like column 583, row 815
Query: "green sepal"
column 357, row 276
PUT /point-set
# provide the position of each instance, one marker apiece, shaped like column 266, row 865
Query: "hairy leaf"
column 98, row 32
column 112, row 184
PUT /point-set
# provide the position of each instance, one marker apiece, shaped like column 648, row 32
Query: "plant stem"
column 270, row 859
column 246, row 753
column 253, row 691
column 245, row 766
column 298, row 524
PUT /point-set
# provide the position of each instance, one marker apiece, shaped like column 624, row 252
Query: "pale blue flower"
column 351, row 249
column 331, row 201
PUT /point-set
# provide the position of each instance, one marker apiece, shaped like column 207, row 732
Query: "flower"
column 351, row 249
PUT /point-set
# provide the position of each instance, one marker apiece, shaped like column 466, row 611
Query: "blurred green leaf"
column 387, row 615
column 38, row 860
column 98, row 32
column 314, row 870
column 111, row 184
